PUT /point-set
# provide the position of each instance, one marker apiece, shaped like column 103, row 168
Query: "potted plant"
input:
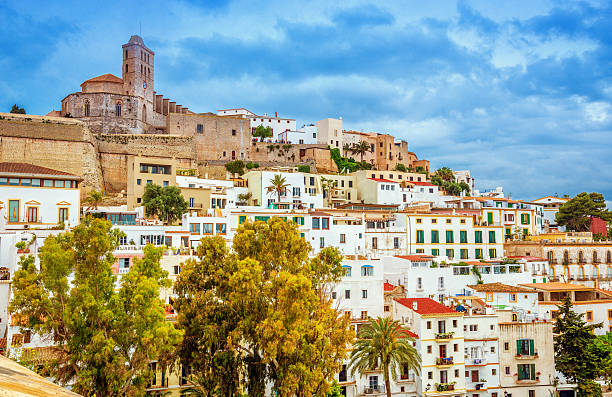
column 22, row 247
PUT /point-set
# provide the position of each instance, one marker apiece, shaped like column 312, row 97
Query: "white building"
column 551, row 207
column 329, row 132
column 34, row 196
column 278, row 125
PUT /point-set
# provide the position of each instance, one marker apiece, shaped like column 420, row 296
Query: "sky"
column 518, row 92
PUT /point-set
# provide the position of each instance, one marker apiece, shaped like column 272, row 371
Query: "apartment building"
column 450, row 237
column 551, row 206
column 329, row 132
column 593, row 303
column 303, row 190
column 518, row 218
column 526, row 355
column 440, row 343
column 37, row 197
column 142, row 171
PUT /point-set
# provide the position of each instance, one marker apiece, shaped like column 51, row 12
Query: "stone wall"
column 53, row 142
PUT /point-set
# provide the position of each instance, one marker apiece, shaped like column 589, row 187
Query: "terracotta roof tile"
column 24, row 168
column 383, row 180
column 105, row 78
column 389, row 287
column 416, row 258
column 425, row 306
column 557, row 286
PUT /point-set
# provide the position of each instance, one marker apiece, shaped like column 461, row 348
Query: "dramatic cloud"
column 520, row 93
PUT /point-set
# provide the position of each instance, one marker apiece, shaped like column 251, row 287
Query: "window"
column 525, row 347
column 325, row 223
column 200, row 128
column 506, row 346
column 138, row 181
column 440, row 282
column 532, row 393
column 454, row 323
column 478, row 237
column 507, row 370
column 194, row 228
column 450, row 237
column 220, row 228
column 429, row 349
column 478, row 253
column 347, row 270
column 492, row 237
column 86, row 110
column 463, row 253
column 589, row 315
column 420, row 236
column 512, row 297
column 118, row 109
column 32, row 214
column 429, row 325
column 367, row 270
column 233, row 132
column 347, row 294
column 62, row 215
column 492, row 253
column 493, row 371
column 364, row 293
column 396, row 242
column 419, row 283
column 166, row 183
column 419, row 220
column 463, row 237
column 321, row 242
column 374, row 242
column 435, row 252
column 526, row 372
column 450, row 253
column 316, row 223
column 207, row 228
column 435, row 237
column 124, row 263
column 342, row 238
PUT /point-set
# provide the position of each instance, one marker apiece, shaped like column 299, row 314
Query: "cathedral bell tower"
column 138, row 75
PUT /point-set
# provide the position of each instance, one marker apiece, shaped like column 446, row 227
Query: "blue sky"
column 518, row 92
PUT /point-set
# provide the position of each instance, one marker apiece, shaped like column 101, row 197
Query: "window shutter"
column 533, row 375
column 518, row 347
column 518, row 371
column 531, row 347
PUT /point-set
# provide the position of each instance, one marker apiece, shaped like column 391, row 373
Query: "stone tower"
column 138, row 75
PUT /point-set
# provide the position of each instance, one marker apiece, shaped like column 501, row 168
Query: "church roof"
column 105, row 78
column 135, row 39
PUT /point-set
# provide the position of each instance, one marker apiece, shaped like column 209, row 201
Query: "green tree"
column 93, row 200
column 465, row 188
column 576, row 213
column 577, row 356
column 278, row 185
column 401, row 167
column 303, row 168
column 345, row 149
column 328, row 186
column 446, row 174
column 361, row 148
column 263, row 132
column 236, row 167
column 260, row 313
column 165, row 202
column 105, row 336
column 384, row 344
column 17, row 109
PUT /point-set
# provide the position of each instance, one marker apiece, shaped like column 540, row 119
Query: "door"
column 13, row 210
column 442, row 351
column 475, row 377
column 32, row 214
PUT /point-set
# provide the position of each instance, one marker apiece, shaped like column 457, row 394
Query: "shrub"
column 303, row 168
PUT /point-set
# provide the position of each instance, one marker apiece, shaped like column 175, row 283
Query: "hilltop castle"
column 128, row 105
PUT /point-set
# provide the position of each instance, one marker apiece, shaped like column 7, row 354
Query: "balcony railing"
column 374, row 389
column 526, row 356
column 444, row 361
column 444, row 335
column 407, row 377
column 445, row 386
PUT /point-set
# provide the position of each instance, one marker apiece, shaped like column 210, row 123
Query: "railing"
column 374, row 389
column 124, row 270
column 407, row 377
column 478, row 361
column 444, row 335
column 445, row 386
column 444, row 361
column 526, row 355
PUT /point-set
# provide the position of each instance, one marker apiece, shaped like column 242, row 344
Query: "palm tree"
column 93, row 200
column 278, row 184
column 328, row 185
column 384, row 344
column 346, row 148
column 361, row 148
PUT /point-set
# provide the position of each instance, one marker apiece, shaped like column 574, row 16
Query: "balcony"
column 444, row 361
column 527, row 356
column 444, row 336
column 407, row 377
column 445, row 386
column 374, row 389
column 478, row 361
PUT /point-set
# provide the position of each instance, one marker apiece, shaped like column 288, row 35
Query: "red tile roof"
column 24, row 168
column 530, row 258
column 382, row 180
column 389, row 287
column 416, row 258
column 105, row 78
column 422, row 183
column 499, row 287
column 425, row 306
column 413, row 335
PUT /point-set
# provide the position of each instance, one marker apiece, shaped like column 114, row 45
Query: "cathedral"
column 127, row 105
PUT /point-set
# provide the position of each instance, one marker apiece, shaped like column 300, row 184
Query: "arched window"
column 118, row 109
column 144, row 113
column 552, row 272
column 580, row 257
column 86, row 110
column 581, row 272
column 594, row 256
column 551, row 257
column 595, row 271
column 566, row 273
column 565, row 257
column 233, row 154
column 514, row 317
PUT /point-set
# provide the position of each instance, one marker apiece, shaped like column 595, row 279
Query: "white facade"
column 277, row 124
column 308, row 136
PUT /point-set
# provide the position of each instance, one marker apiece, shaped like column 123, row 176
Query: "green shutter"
column 518, row 347
column 490, row 218
column 528, row 219
column 533, row 374
column 518, row 371
column 531, row 347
